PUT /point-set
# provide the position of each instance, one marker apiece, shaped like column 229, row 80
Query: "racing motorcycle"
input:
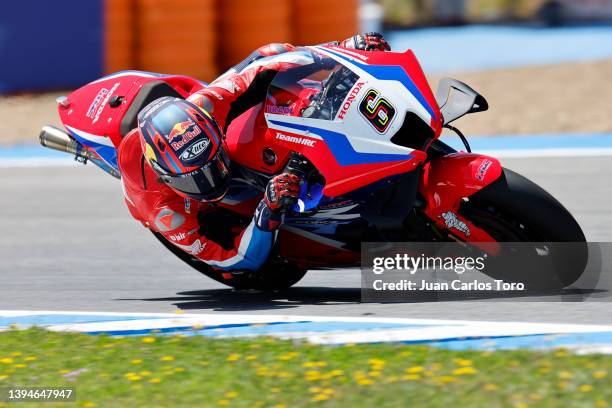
column 363, row 130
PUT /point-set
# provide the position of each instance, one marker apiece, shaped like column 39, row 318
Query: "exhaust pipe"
column 56, row 139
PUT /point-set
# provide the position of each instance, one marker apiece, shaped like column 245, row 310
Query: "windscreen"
column 313, row 90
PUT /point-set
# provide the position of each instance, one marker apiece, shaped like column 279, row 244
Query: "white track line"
column 431, row 329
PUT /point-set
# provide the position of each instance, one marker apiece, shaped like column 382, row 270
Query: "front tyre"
column 514, row 209
column 273, row 275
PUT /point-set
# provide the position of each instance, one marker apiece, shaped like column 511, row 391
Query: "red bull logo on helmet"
column 182, row 133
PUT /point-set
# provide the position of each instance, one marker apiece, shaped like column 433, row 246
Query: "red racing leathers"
column 245, row 84
column 222, row 240
column 203, row 229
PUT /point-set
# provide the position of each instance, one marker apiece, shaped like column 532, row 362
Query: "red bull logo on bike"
column 377, row 110
column 182, row 133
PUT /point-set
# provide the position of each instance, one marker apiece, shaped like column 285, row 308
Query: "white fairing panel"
column 349, row 120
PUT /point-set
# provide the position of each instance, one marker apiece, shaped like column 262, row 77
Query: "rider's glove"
column 367, row 42
column 281, row 193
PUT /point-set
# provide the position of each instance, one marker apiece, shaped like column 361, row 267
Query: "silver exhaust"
column 57, row 139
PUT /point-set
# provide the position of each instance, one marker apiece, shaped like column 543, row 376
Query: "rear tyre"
column 514, row 209
column 273, row 275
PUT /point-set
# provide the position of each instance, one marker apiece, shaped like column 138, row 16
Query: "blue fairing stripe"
column 391, row 72
column 106, row 153
column 342, row 149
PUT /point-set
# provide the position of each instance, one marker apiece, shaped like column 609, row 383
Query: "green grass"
column 265, row 372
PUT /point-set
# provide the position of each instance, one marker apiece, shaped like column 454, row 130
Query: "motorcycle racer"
column 174, row 166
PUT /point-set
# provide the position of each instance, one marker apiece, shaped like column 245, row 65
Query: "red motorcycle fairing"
column 408, row 62
column 449, row 179
column 248, row 137
column 98, row 108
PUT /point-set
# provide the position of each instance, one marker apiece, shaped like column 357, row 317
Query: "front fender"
column 447, row 180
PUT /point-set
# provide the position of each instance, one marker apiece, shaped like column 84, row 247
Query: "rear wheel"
column 273, row 275
column 514, row 209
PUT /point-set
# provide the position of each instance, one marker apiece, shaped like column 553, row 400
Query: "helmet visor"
column 207, row 183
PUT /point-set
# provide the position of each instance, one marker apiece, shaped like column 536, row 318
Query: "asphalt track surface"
column 68, row 243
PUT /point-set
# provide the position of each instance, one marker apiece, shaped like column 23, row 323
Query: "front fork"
column 446, row 181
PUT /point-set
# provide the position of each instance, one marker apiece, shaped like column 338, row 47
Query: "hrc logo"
column 377, row 110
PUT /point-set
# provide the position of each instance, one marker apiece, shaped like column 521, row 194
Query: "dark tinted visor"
column 207, row 183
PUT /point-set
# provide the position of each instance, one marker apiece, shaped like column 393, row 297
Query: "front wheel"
column 514, row 209
column 273, row 275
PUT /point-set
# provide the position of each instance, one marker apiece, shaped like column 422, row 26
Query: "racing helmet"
column 184, row 146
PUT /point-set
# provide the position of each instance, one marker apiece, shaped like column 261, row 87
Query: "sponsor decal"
column 280, row 110
column 482, row 169
column 182, row 133
column 96, row 102
column 350, row 99
column 187, row 205
column 168, row 220
column 296, row 139
column 181, row 235
column 377, row 110
column 107, row 97
column 451, row 221
column 195, row 248
column 195, row 151
column 178, row 237
column 349, row 52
